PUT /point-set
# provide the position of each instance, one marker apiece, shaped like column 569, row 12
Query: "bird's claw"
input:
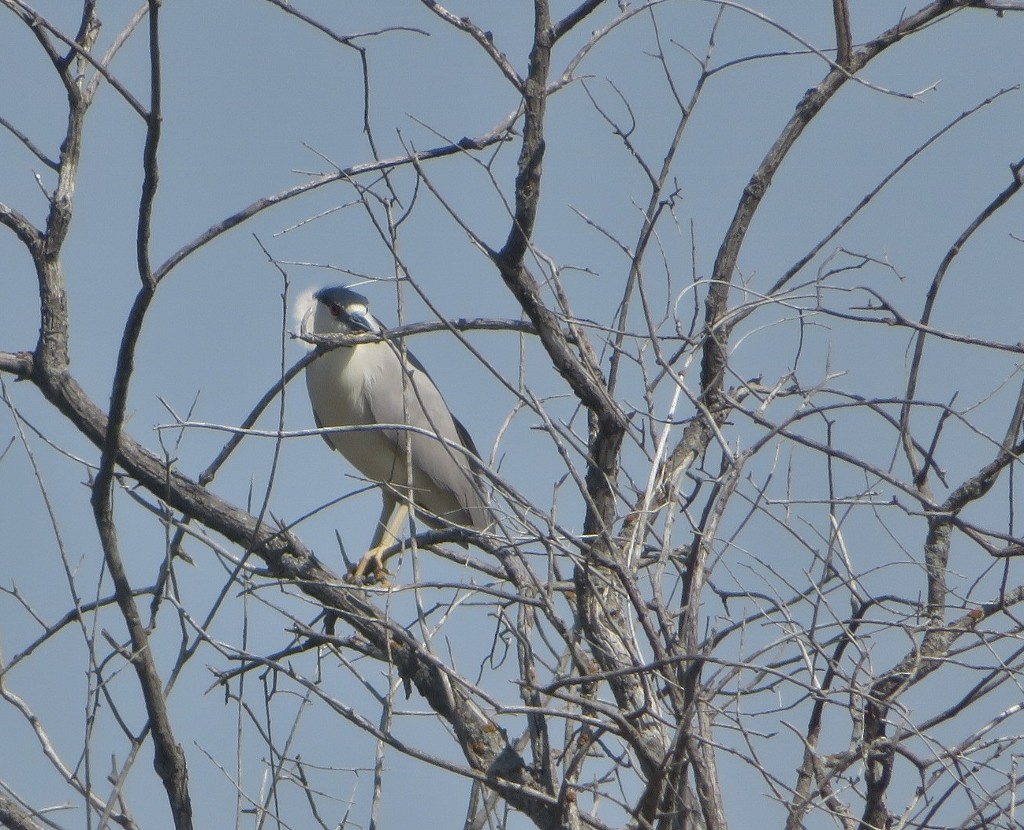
column 369, row 570
column 377, row 579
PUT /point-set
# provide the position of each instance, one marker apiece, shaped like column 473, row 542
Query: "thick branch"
column 168, row 756
column 844, row 38
column 485, row 40
column 29, row 235
column 12, row 815
column 486, row 747
column 1011, row 190
column 715, row 357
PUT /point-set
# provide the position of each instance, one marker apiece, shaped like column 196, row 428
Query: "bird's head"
column 339, row 310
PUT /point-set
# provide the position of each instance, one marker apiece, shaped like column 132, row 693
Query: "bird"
column 432, row 467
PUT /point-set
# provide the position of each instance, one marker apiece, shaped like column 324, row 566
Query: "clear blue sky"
column 254, row 101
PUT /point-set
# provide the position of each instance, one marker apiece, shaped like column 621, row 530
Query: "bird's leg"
column 392, row 517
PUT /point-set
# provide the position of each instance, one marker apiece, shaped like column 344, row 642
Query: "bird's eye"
column 335, row 310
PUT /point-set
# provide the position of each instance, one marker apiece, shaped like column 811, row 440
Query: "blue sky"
column 254, row 101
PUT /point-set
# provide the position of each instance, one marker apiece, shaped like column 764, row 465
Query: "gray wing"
column 324, row 435
column 444, row 478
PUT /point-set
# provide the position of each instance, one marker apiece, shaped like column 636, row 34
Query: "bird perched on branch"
column 405, row 437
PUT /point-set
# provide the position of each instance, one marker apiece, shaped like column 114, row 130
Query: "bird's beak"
column 362, row 321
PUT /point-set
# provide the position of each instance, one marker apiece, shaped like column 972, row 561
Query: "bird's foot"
column 369, row 570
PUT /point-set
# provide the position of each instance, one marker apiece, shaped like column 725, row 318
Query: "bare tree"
column 757, row 561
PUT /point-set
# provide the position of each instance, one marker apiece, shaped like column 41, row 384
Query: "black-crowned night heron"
column 368, row 385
